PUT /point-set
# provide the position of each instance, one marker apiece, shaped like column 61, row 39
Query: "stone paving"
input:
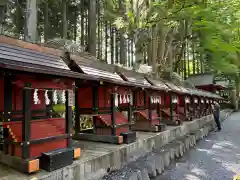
column 215, row 158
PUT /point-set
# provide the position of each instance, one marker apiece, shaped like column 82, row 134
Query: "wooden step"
column 39, row 129
column 106, row 119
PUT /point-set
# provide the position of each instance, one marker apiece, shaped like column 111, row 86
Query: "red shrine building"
column 100, row 102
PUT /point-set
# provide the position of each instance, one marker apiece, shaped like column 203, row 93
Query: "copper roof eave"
column 74, row 75
column 139, row 85
column 143, row 86
column 189, row 91
column 27, row 45
column 135, row 85
column 60, row 73
column 71, row 74
column 153, row 84
column 122, row 83
column 174, row 90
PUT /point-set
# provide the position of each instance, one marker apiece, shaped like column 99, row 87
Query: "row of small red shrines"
column 119, row 103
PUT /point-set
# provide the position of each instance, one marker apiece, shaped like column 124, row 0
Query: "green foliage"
column 218, row 27
column 60, row 108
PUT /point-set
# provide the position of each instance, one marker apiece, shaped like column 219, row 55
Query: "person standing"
column 216, row 114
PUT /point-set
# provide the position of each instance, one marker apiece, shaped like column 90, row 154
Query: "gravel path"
column 215, row 158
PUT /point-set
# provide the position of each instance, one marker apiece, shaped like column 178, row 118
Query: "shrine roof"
column 88, row 64
column 206, row 79
column 202, row 93
column 158, row 83
column 201, row 79
column 37, row 59
column 23, row 56
column 185, row 90
column 133, row 77
column 174, row 87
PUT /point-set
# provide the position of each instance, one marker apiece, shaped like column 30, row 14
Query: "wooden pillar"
column 26, row 124
column 68, row 117
column 171, row 106
column 7, row 95
column 134, row 99
column 159, row 112
column 165, row 98
column 92, row 25
column 95, row 105
column 193, row 105
column 95, row 98
column 185, row 105
column 149, row 109
column 130, row 115
column 1, row 136
column 113, row 114
column 50, row 106
column 7, row 108
column 176, row 107
column 200, row 105
column 145, row 99
column 77, row 114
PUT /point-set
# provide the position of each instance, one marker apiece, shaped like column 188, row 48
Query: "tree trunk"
column 194, row 59
column 154, row 51
column 168, row 51
column 138, row 52
column 30, row 33
column 184, row 62
column 188, row 63
column 82, row 24
column 116, row 46
column 183, row 39
column 92, row 27
column 99, row 30
column 149, row 52
column 46, row 21
column 64, row 19
column 106, row 40
column 19, row 19
column 170, row 62
column 161, row 44
column 122, row 38
column 1, row 18
column 75, row 26
column 112, row 44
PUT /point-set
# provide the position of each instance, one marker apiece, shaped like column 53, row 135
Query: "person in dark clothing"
column 216, row 114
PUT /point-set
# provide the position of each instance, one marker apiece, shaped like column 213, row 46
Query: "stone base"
column 98, row 138
column 146, row 126
column 154, row 151
column 21, row 165
column 171, row 122
column 153, row 164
